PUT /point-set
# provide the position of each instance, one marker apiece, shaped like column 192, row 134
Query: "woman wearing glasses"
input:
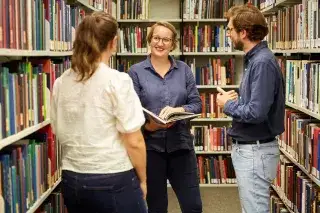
column 165, row 85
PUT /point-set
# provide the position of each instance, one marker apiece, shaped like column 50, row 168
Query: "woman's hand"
column 143, row 186
column 152, row 125
column 169, row 110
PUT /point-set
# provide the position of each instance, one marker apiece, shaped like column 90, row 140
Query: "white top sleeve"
column 53, row 105
column 126, row 105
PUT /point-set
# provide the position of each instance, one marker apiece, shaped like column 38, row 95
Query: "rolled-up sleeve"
column 261, row 99
column 194, row 103
column 126, row 104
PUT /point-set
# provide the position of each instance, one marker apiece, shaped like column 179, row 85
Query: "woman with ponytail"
column 96, row 116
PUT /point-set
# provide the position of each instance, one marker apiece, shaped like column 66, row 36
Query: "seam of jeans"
column 255, row 179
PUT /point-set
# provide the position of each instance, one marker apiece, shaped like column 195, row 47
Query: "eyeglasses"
column 229, row 29
column 165, row 40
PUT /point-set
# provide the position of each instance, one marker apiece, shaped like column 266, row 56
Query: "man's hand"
column 223, row 98
column 168, row 110
column 143, row 186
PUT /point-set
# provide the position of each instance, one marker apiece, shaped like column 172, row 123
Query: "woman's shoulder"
column 139, row 66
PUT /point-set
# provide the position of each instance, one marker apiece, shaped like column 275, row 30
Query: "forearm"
column 137, row 155
column 246, row 113
column 193, row 107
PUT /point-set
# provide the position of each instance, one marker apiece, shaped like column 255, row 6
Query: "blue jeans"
column 180, row 167
column 102, row 193
column 255, row 167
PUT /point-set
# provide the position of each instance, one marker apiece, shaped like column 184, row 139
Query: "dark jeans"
column 180, row 167
column 102, row 193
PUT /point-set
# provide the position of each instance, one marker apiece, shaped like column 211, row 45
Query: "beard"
column 238, row 45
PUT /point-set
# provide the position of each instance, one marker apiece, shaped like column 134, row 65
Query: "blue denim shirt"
column 176, row 89
column 259, row 111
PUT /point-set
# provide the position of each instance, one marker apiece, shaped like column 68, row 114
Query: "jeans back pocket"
column 270, row 165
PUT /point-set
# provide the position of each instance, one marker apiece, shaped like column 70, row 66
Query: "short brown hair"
column 249, row 18
column 170, row 27
column 92, row 37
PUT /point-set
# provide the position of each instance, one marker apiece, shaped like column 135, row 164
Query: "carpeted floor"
column 214, row 200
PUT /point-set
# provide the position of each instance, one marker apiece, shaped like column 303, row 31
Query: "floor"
column 214, row 200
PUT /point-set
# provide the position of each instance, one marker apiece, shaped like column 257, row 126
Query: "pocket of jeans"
column 270, row 165
column 99, row 183
column 135, row 182
column 244, row 153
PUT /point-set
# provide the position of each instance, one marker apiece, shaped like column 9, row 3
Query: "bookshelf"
column 20, row 135
column 296, row 41
column 36, row 52
column 33, row 53
column 43, row 197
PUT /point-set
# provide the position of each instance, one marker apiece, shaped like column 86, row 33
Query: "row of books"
column 210, row 108
column 206, row 38
column 217, row 169
column 210, row 138
column 25, row 92
column 276, row 204
column 133, row 9
column 28, row 169
column 216, row 72
column 54, row 203
column 303, row 83
column 38, row 25
column 298, row 191
column 133, row 39
column 302, row 141
column 205, row 9
column 296, row 26
column 192, row 9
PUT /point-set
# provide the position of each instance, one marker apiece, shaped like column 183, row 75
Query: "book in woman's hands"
column 171, row 117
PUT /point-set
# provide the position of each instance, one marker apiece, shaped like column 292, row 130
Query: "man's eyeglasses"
column 165, row 40
column 229, row 29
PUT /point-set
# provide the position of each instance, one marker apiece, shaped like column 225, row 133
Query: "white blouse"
column 88, row 119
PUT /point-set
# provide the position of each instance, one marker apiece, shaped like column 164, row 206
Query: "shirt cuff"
column 226, row 108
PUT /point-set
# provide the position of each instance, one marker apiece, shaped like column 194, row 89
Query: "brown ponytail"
column 92, row 38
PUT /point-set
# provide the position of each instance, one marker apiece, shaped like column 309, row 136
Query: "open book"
column 176, row 116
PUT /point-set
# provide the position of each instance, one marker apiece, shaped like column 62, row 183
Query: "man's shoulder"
column 265, row 55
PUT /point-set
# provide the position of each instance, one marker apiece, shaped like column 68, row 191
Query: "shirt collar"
column 255, row 49
column 147, row 62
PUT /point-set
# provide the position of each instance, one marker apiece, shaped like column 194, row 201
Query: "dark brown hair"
column 249, row 18
column 92, row 38
column 167, row 25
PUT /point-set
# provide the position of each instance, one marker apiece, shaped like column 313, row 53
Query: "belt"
column 254, row 142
